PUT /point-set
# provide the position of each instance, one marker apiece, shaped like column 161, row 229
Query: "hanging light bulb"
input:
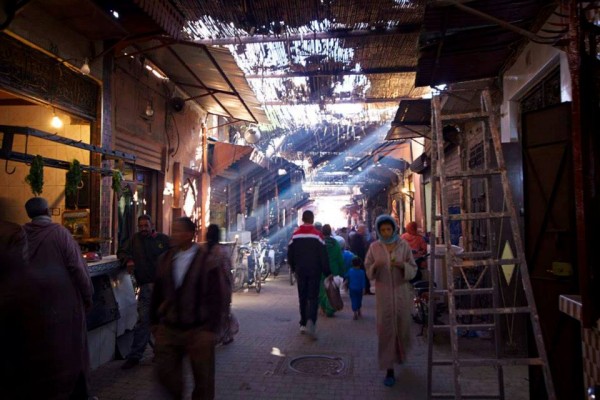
column 149, row 110
column 56, row 122
column 85, row 68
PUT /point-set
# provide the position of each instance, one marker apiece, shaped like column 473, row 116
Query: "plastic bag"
column 333, row 293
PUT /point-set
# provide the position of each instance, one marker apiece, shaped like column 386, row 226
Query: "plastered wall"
column 14, row 191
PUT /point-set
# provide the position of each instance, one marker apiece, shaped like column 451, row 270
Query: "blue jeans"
column 141, row 333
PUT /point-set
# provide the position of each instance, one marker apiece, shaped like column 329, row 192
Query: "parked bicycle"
column 262, row 257
column 420, row 312
column 244, row 269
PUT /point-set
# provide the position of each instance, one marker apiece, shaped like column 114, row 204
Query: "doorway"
column 550, row 240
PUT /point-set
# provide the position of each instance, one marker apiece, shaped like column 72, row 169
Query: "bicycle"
column 242, row 273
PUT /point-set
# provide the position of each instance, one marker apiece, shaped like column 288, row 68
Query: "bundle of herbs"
column 35, row 179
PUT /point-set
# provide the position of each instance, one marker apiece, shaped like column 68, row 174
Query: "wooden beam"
column 366, row 34
column 336, row 72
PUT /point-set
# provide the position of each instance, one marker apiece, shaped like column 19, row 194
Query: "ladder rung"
column 489, row 311
column 465, row 292
column 464, row 396
column 475, row 254
column 477, row 362
column 473, row 327
column 468, row 254
column 459, row 116
column 480, row 173
column 477, row 216
column 478, row 291
column 490, row 263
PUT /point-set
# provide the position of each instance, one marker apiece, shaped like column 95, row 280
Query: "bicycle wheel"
column 238, row 279
column 265, row 271
column 423, row 311
column 257, row 280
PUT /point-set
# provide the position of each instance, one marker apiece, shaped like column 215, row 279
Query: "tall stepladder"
column 486, row 261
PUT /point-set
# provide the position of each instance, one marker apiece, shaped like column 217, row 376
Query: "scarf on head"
column 386, row 218
column 411, row 228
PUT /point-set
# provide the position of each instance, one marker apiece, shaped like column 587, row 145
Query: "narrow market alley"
column 160, row 154
column 259, row 363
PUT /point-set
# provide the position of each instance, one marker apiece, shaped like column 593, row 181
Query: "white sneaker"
column 302, row 329
column 312, row 330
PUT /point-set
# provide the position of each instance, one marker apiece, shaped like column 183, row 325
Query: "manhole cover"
column 318, row 365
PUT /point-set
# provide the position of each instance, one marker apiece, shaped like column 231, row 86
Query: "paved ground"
column 257, row 364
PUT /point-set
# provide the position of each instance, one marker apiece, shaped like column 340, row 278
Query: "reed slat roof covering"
column 329, row 74
column 316, row 54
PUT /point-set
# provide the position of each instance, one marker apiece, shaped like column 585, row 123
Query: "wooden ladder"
column 487, row 261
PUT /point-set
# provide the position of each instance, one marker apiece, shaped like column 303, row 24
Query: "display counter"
column 107, row 265
column 114, row 310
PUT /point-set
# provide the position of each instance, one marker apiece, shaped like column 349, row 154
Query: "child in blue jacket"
column 357, row 281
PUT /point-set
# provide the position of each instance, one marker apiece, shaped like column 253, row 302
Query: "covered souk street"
column 270, row 359
column 478, row 120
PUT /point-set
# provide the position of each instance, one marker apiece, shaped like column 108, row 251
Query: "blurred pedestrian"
column 218, row 257
column 21, row 328
column 188, row 302
column 390, row 263
column 62, row 277
column 307, row 257
column 140, row 255
column 357, row 241
column 336, row 267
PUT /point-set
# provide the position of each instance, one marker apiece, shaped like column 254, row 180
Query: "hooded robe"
column 62, row 277
column 394, row 296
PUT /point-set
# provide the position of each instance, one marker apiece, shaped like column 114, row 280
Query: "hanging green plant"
column 117, row 181
column 74, row 176
column 35, row 179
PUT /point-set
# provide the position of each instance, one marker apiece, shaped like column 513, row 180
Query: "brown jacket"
column 200, row 300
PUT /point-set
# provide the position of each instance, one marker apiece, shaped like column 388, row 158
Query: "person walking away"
column 390, row 263
column 358, row 245
column 140, row 255
column 336, row 266
column 188, row 302
column 307, row 257
column 356, row 286
column 62, row 277
column 348, row 256
column 218, row 255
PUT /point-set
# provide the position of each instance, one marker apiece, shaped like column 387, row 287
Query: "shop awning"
column 413, row 119
column 385, row 164
column 224, row 155
column 208, row 75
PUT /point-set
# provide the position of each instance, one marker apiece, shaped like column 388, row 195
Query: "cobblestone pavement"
column 258, row 364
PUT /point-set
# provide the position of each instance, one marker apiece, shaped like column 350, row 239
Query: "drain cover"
column 318, row 365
